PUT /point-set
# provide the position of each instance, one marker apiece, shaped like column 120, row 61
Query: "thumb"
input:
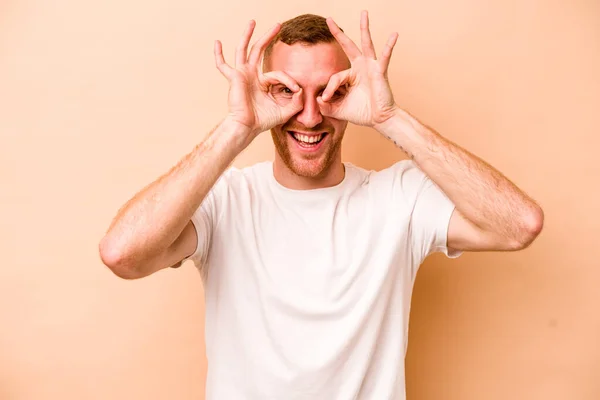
column 327, row 109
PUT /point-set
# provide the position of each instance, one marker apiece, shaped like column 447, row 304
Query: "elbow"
column 532, row 225
column 117, row 261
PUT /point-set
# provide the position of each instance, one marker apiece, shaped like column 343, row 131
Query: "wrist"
column 239, row 134
column 391, row 121
column 404, row 131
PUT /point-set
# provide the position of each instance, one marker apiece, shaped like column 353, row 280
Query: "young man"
column 308, row 263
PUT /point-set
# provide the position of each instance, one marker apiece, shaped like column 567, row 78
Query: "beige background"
column 99, row 98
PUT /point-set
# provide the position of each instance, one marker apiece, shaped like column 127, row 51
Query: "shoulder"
column 404, row 175
column 402, row 169
column 401, row 183
column 236, row 180
column 235, row 175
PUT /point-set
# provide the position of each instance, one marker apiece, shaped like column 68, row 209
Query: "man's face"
column 310, row 66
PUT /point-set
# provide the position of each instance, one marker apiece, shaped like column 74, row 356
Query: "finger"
column 368, row 49
column 328, row 109
column 351, row 50
column 276, row 77
column 258, row 49
column 336, row 80
column 220, row 60
column 242, row 50
column 386, row 54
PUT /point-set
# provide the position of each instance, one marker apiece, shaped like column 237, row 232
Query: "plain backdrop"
column 97, row 99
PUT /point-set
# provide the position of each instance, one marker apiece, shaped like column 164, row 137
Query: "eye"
column 341, row 92
column 281, row 92
column 337, row 94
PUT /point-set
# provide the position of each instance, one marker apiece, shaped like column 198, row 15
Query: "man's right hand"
column 252, row 101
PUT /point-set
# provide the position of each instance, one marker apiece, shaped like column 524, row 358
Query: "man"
column 308, row 263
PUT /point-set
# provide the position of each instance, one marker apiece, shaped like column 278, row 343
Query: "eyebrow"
column 319, row 88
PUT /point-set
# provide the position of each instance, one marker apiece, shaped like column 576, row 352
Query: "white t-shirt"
column 308, row 291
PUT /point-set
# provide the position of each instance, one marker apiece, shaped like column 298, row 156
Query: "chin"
column 314, row 164
column 315, row 168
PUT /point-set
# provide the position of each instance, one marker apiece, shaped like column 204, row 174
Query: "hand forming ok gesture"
column 369, row 99
column 250, row 102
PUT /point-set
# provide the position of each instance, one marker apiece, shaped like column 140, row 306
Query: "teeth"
column 307, row 139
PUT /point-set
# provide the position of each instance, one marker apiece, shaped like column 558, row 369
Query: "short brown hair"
column 306, row 28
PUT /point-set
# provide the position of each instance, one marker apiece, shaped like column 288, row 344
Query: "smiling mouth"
column 308, row 140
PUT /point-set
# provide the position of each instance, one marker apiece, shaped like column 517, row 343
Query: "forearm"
column 155, row 217
column 481, row 193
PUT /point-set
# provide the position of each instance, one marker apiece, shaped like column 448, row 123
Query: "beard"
column 308, row 165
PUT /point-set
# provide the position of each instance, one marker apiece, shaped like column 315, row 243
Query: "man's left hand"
column 361, row 94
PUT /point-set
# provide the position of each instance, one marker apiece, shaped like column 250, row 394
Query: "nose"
column 310, row 116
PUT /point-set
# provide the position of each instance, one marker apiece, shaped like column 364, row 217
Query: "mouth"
column 308, row 142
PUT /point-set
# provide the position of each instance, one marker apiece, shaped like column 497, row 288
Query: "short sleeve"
column 205, row 219
column 430, row 211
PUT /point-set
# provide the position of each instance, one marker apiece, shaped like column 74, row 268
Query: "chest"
column 320, row 251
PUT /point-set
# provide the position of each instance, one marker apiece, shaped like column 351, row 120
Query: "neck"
column 331, row 176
